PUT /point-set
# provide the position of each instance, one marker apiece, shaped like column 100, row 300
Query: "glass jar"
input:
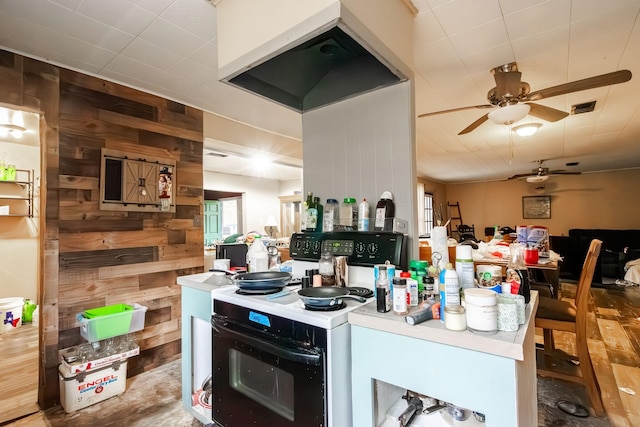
column 331, row 215
column 455, row 318
column 326, row 270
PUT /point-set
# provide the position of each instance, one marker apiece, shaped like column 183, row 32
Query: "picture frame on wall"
column 536, row 207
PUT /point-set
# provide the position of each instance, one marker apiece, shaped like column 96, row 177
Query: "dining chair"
column 562, row 315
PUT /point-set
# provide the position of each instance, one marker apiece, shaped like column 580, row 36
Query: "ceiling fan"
column 542, row 173
column 511, row 95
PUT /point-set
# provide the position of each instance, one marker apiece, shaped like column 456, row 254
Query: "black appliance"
column 236, row 252
column 271, row 368
column 363, row 249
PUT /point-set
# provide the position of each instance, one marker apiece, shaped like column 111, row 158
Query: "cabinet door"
column 140, row 182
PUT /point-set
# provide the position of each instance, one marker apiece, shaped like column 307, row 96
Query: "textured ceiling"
column 168, row 47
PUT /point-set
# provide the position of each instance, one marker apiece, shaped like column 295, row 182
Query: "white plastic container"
column 11, row 313
column 79, row 390
column 257, row 256
column 482, row 310
column 93, row 329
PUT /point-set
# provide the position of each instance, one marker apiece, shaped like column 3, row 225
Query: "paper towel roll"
column 439, row 243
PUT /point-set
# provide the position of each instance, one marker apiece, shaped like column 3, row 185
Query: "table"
column 548, row 268
column 491, row 374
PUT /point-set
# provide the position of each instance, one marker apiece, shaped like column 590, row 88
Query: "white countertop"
column 505, row 344
column 203, row 281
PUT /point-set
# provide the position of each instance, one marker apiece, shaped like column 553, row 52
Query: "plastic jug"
column 257, row 256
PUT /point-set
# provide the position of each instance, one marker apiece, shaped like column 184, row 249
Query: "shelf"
column 25, row 194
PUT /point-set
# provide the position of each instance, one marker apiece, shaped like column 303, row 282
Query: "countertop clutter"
column 504, row 344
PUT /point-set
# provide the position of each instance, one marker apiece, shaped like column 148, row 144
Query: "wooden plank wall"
column 95, row 258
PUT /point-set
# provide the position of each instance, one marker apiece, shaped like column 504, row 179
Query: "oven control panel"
column 361, row 248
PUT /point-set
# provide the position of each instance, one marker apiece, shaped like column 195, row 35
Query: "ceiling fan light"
column 509, row 114
column 527, row 129
column 537, row 178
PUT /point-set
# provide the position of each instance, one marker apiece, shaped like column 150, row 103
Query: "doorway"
column 222, row 216
column 20, row 264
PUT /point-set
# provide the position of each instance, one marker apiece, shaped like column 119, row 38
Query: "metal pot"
column 326, row 296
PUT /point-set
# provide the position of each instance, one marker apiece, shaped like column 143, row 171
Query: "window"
column 428, row 213
column 231, row 216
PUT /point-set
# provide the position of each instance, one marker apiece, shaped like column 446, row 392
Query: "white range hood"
column 308, row 54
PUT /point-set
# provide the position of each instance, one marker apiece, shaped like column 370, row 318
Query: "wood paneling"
column 90, row 257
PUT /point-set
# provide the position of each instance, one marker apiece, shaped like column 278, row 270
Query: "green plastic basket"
column 109, row 321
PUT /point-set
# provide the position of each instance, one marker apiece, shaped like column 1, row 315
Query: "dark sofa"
column 618, row 247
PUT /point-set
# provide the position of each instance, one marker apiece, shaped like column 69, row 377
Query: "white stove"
column 288, row 306
column 287, row 303
column 272, row 342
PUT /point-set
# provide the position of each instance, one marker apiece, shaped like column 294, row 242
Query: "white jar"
column 482, row 312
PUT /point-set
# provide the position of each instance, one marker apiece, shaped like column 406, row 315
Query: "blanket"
column 632, row 271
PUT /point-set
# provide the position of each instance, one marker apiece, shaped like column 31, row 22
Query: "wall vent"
column 586, row 107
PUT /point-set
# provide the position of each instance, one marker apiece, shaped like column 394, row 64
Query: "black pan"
column 326, row 296
column 262, row 280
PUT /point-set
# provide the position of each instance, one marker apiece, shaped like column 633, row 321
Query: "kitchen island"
column 196, row 342
column 491, row 374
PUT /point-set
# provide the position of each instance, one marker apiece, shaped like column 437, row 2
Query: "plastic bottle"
column 451, row 287
column 383, row 291
column 348, row 212
column 412, row 288
column 331, row 215
column 399, row 296
column 385, row 211
column 363, row 215
column 257, row 256
column 464, row 266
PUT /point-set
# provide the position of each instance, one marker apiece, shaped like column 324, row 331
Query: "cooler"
column 83, row 389
column 85, row 382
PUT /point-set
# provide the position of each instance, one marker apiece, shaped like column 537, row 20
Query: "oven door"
column 262, row 381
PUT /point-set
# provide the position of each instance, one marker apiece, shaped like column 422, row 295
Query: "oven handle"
column 295, row 355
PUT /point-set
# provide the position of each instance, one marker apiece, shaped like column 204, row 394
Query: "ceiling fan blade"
column 522, row 175
column 563, row 172
column 613, row 78
column 507, row 84
column 474, row 125
column 471, row 107
column 546, row 113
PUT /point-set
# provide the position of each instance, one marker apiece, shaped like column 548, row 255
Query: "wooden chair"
column 560, row 315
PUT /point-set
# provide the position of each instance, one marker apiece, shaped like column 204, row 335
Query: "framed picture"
column 537, row 207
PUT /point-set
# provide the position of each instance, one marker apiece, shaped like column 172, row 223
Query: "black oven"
column 268, row 370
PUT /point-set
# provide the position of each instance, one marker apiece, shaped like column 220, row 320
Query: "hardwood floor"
column 153, row 398
column 614, row 344
column 18, row 372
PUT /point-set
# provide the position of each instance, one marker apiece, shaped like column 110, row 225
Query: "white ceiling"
column 168, row 47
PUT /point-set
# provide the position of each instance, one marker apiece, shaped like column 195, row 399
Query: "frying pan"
column 326, row 296
column 262, row 280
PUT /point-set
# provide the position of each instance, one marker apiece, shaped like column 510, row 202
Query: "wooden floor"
column 18, row 372
column 153, row 398
column 614, row 344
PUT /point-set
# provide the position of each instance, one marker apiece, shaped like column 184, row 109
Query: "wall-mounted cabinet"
column 16, row 196
column 131, row 182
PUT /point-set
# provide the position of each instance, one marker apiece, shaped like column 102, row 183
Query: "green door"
column 212, row 221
